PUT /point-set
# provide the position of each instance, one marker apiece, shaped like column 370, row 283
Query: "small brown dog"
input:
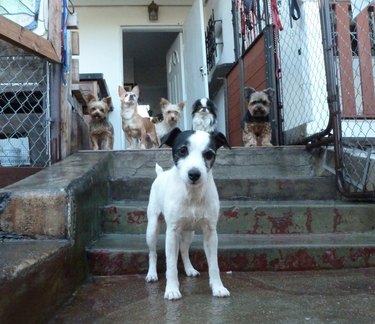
column 140, row 131
column 171, row 116
column 100, row 128
column 256, row 126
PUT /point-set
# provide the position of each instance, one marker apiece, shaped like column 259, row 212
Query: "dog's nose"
column 194, row 174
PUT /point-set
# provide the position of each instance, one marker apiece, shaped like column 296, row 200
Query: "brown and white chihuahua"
column 140, row 131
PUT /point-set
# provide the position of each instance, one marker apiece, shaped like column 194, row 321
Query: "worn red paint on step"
column 137, row 217
column 111, row 210
column 231, row 213
column 116, row 220
column 280, row 225
column 362, row 253
column 256, row 225
column 260, row 262
column 300, row 260
column 331, row 258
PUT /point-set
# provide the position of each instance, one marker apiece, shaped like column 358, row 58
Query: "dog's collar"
column 257, row 119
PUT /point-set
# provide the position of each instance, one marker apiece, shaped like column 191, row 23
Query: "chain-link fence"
column 327, row 53
column 24, row 108
column 350, row 30
column 325, row 79
column 302, row 77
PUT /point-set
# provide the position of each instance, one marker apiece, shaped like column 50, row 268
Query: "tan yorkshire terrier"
column 100, row 128
column 171, row 116
column 256, row 126
column 139, row 131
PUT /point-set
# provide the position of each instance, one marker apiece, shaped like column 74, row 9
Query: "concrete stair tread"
column 291, row 160
column 257, row 217
column 137, row 243
column 242, row 186
column 255, row 203
column 18, row 255
column 231, row 176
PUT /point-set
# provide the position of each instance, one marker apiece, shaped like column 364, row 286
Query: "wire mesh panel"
column 353, row 39
column 24, row 108
column 303, row 86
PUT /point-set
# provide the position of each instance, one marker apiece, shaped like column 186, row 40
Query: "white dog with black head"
column 186, row 197
column 204, row 115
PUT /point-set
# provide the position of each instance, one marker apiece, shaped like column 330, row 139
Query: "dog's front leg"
column 210, row 248
column 107, row 143
column 151, row 239
column 171, row 253
column 266, row 140
column 94, row 143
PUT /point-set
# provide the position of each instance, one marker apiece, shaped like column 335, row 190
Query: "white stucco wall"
column 100, row 35
column 222, row 11
column 225, row 52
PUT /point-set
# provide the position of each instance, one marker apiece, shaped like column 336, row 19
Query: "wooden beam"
column 27, row 40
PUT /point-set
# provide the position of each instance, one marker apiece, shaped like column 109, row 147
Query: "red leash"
column 275, row 15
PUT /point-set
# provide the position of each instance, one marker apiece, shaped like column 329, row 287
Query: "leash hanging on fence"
column 277, row 28
column 275, row 15
column 294, row 11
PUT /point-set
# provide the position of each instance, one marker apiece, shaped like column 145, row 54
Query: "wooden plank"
column 256, row 77
column 365, row 64
column 27, row 40
column 9, row 175
column 345, row 59
column 54, row 26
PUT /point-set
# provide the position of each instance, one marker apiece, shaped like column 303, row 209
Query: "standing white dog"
column 186, row 196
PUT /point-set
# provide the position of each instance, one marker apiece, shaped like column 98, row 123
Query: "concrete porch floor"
column 326, row 296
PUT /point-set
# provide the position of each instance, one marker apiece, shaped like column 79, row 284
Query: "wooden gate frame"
column 255, row 68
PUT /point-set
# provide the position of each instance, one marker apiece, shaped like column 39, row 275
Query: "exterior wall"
column 221, row 104
column 225, row 52
column 222, row 11
column 234, row 106
column 101, row 45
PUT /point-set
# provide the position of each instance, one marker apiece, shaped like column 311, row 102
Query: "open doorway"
column 144, row 61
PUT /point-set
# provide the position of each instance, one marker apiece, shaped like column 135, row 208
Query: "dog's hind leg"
column 210, row 248
column 152, row 233
column 185, row 242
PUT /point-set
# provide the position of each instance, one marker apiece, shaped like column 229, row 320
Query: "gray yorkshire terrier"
column 100, row 128
column 256, row 126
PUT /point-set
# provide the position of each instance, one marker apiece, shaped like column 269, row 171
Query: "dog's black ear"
column 248, row 91
column 269, row 92
column 168, row 139
column 220, row 140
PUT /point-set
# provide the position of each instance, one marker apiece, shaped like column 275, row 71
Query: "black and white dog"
column 186, row 197
column 204, row 115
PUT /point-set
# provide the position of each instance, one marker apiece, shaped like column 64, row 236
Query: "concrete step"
column 284, row 161
column 36, row 277
column 119, row 254
column 296, row 188
column 257, row 217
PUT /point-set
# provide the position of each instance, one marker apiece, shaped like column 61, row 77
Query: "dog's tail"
column 158, row 169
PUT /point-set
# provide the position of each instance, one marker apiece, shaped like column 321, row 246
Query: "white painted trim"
column 150, row 28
